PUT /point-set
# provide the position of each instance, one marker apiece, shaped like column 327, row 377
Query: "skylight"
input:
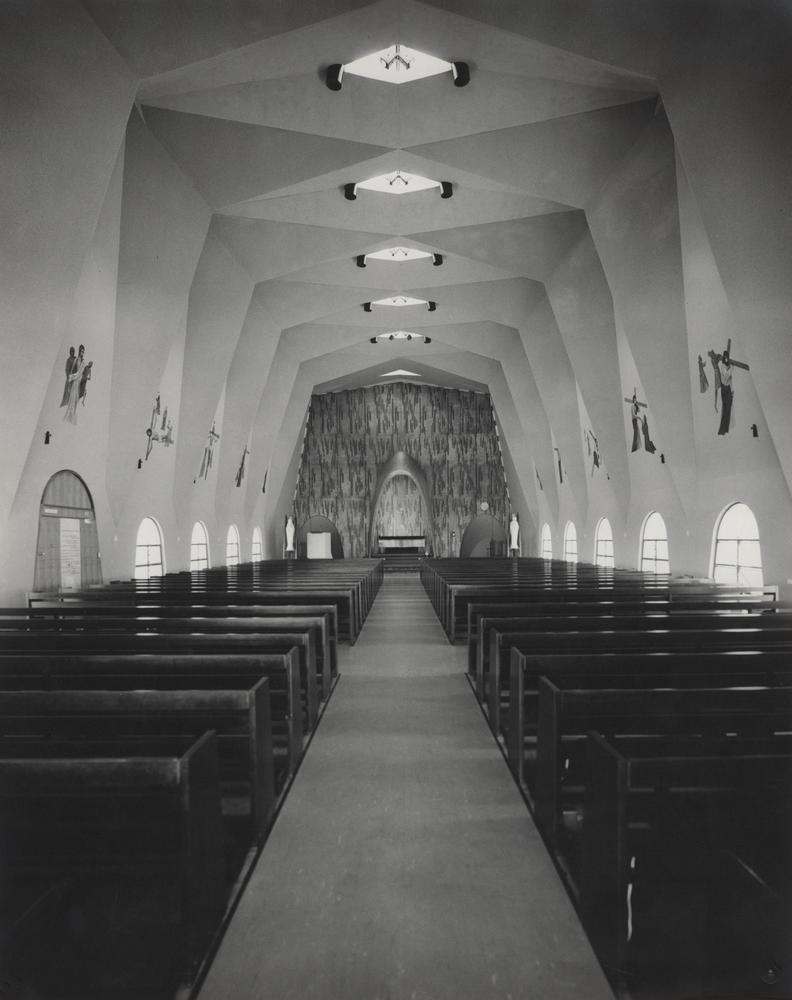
column 398, row 254
column 398, row 64
column 400, row 371
column 398, row 182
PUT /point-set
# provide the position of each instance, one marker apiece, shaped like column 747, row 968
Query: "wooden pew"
column 165, row 623
column 483, row 618
column 137, row 828
column 705, row 636
column 566, row 715
column 122, row 672
column 653, row 827
column 112, row 643
column 240, row 718
column 770, row 668
column 65, row 611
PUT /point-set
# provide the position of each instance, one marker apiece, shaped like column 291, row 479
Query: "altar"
column 404, row 543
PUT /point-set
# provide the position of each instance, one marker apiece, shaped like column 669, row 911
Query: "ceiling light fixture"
column 400, row 335
column 399, row 255
column 397, row 64
column 399, row 301
column 398, row 182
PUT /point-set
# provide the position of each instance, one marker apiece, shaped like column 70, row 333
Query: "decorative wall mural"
column 350, row 435
column 640, row 424
column 75, row 389
column 160, row 429
column 722, row 365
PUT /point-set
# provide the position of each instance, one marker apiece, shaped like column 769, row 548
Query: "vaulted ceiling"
column 596, row 242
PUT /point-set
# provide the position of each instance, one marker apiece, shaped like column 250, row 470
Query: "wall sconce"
column 461, row 74
column 437, row 259
column 366, row 307
column 140, row 463
column 446, row 189
column 662, row 458
column 350, row 192
column 754, row 431
column 432, row 306
column 360, row 260
column 335, row 74
column 48, row 437
column 427, row 340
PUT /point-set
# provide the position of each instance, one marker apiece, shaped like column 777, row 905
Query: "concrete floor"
column 404, row 864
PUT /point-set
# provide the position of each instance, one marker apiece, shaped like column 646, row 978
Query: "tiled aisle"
column 404, row 865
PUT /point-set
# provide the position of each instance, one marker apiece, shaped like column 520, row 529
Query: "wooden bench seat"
column 710, row 636
column 654, row 831
column 240, row 718
column 750, row 666
column 566, row 715
column 110, row 643
column 137, row 843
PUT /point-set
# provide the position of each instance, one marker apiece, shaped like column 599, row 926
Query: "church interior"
column 370, row 360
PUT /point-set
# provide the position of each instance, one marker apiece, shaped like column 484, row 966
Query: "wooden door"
column 67, row 553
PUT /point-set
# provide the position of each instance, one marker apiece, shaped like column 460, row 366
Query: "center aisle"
column 404, row 864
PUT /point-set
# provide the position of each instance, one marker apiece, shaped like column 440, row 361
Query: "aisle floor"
column 404, row 864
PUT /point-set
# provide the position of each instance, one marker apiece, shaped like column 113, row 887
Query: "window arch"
column 257, row 548
column 737, row 557
column 654, row 545
column 570, row 543
column 199, row 547
column 149, row 554
column 547, row 542
column 232, row 546
column 603, row 544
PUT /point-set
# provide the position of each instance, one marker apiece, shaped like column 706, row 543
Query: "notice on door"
column 71, row 570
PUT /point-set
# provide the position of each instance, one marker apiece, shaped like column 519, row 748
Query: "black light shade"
column 461, row 71
column 431, row 306
column 754, row 430
column 366, row 307
column 446, row 189
column 361, row 260
column 48, row 436
column 437, row 259
column 336, row 72
column 350, row 192
column 372, row 340
column 427, row 340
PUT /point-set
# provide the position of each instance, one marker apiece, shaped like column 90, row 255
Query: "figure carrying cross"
column 640, row 424
column 722, row 365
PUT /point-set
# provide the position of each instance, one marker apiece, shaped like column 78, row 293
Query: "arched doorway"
column 484, row 536
column 402, row 503
column 318, row 524
column 67, row 552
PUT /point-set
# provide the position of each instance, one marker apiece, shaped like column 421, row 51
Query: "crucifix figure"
column 722, row 365
column 640, row 424
column 241, row 470
column 151, row 432
column 206, row 461
column 592, row 444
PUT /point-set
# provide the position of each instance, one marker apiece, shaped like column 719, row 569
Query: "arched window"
column 603, row 544
column 570, row 543
column 737, row 557
column 547, row 542
column 232, row 546
column 654, row 545
column 199, row 547
column 257, row 549
column 149, row 557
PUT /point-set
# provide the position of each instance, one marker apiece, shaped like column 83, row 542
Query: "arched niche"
column 400, row 464
column 317, row 522
column 484, row 536
column 67, row 551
